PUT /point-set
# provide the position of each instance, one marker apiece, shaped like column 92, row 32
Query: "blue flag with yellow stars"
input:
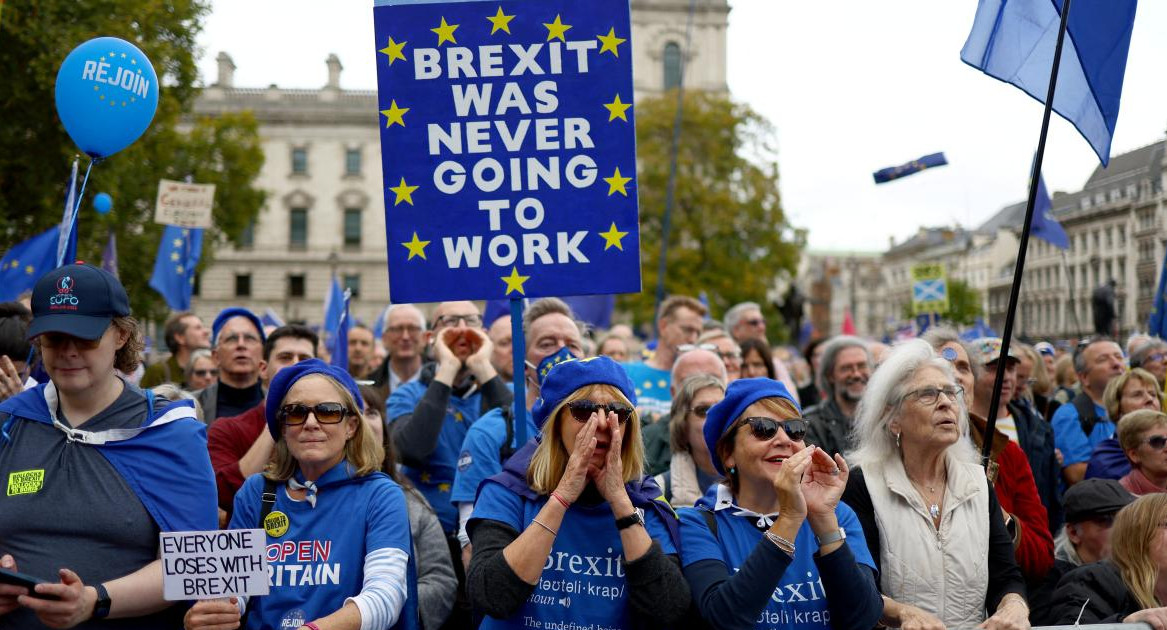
column 26, row 262
column 174, row 269
column 338, row 344
column 1157, row 325
column 886, row 175
column 508, row 148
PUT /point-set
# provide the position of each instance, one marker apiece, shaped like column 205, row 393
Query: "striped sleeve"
column 383, row 592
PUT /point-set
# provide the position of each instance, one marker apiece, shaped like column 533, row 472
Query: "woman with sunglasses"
column 1129, row 392
column 571, row 533
column 690, row 471
column 1143, row 436
column 917, row 479
column 771, row 546
column 329, row 496
column 201, row 371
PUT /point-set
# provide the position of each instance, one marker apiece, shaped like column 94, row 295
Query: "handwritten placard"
column 206, row 565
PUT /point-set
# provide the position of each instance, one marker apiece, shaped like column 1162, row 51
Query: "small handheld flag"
column 174, row 268
column 26, row 262
column 886, row 175
column 1045, row 226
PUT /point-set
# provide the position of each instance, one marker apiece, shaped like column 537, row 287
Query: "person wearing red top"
column 240, row 446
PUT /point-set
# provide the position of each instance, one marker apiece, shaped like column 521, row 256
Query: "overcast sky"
column 850, row 87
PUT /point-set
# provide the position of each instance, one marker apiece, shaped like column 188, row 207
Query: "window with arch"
column 672, row 64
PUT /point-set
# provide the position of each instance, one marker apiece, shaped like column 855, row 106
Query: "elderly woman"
column 1129, row 587
column 772, row 544
column 201, row 371
column 327, row 488
column 691, row 470
column 917, row 479
column 1143, row 436
column 1132, row 391
column 569, row 534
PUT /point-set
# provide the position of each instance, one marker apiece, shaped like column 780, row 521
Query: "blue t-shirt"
column 319, row 561
column 653, row 398
column 582, row 584
column 436, row 478
column 1075, row 446
column 479, row 459
column 799, row 601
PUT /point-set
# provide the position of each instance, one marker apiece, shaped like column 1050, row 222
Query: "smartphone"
column 25, row 580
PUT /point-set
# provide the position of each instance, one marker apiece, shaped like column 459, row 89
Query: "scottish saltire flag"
column 270, row 318
column 109, row 255
column 1013, row 40
column 26, row 262
column 67, row 237
column 1045, row 226
column 333, row 308
column 885, row 175
column 174, row 268
column 1157, row 325
column 338, row 347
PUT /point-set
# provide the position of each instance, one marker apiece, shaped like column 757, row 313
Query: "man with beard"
column 843, row 374
column 237, row 340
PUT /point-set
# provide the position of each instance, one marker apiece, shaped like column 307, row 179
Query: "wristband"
column 562, row 500
column 102, row 604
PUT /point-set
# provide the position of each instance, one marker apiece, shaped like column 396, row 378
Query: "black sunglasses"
column 325, row 412
column 766, row 428
column 701, row 410
column 1157, row 442
column 582, row 410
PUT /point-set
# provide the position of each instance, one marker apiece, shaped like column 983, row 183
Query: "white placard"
column 183, row 204
column 218, row 563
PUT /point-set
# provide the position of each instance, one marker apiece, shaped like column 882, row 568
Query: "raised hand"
column 610, row 479
column 575, row 476
column 824, row 482
column 788, row 484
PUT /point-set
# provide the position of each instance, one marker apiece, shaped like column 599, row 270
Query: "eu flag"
column 1158, row 322
column 886, row 175
column 333, row 308
column 174, row 269
column 26, row 262
column 338, row 347
column 1014, row 40
column 67, row 236
column 1045, row 226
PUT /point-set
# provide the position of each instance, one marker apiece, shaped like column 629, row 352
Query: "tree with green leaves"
column 35, row 151
column 729, row 236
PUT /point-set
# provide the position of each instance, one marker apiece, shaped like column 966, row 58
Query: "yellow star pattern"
column 177, row 242
column 515, row 281
column 445, row 32
column 616, row 183
column 609, row 42
column 612, row 238
column 394, row 114
column 443, row 487
column 416, row 247
column 425, row 477
column 556, row 29
column 174, row 256
column 29, row 269
column 617, row 108
column 393, row 51
column 404, row 192
column 500, row 22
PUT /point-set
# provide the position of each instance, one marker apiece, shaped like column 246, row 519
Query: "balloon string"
column 80, row 196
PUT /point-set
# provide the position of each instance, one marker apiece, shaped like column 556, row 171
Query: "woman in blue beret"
column 771, row 546
column 339, row 550
column 571, row 534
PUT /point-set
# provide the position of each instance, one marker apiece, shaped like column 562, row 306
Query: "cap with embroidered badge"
column 990, row 348
column 738, row 397
column 283, row 381
column 79, row 300
column 566, row 374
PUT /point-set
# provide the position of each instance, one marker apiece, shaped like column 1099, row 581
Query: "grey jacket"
column 436, row 583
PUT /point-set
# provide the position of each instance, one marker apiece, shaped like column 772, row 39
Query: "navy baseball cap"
column 79, row 300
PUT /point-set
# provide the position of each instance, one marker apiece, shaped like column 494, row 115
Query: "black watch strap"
column 636, row 518
column 101, row 606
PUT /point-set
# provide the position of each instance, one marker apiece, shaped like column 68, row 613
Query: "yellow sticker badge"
column 25, row 482
column 276, row 524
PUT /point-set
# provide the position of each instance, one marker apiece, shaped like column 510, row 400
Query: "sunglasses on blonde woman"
column 582, row 410
column 766, row 428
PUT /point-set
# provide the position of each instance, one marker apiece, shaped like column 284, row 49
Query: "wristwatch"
column 636, row 518
column 101, row 606
column 835, row 536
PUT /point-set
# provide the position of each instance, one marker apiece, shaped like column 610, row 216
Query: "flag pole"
column 519, row 355
column 1070, row 293
column 1019, row 268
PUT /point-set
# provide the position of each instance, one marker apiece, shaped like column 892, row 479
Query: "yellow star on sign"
column 616, row 183
column 500, row 22
column 30, row 269
column 445, row 32
column 556, row 29
column 610, row 42
column 393, row 50
column 416, row 247
column 612, row 238
column 515, row 281
column 394, row 114
column 617, row 108
column 404, row 192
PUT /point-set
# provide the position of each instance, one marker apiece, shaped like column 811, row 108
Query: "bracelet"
column 562, row 500
column 537, row 522
column 781, row 543
column 311, row 625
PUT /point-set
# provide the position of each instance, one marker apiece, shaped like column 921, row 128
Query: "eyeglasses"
column 930, row 395
column 1158, row 356
column 404, row 330
column 582, row 410
column 1157, row 442
column 325, row 412
column 756, row 322
column 766, row 428
column 206, row 373
column 473, row 320
column 58, row 340
column 245, row 339
column 701, row 410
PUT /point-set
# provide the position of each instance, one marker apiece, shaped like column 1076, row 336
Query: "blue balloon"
column 107, row 93
column 102, row 203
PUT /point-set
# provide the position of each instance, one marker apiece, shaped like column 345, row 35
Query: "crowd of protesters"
column 702, row 479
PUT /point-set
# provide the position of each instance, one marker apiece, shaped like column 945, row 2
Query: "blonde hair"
column 549, row 461
column 1112, row 397
column 1132, row 425
column 362, row 450
column 1135, row 529
column 784, row 409
column 1064, row 374
column 1043, row 384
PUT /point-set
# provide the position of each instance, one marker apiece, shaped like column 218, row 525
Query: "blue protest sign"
column 508, row 148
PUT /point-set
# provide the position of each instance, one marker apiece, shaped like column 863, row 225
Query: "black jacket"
column 1101, row 583
column 828, row 428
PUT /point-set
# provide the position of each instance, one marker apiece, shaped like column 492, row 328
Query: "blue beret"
column 570, row 374
column 286, row 377
column 738, row 396
column 235, row 311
